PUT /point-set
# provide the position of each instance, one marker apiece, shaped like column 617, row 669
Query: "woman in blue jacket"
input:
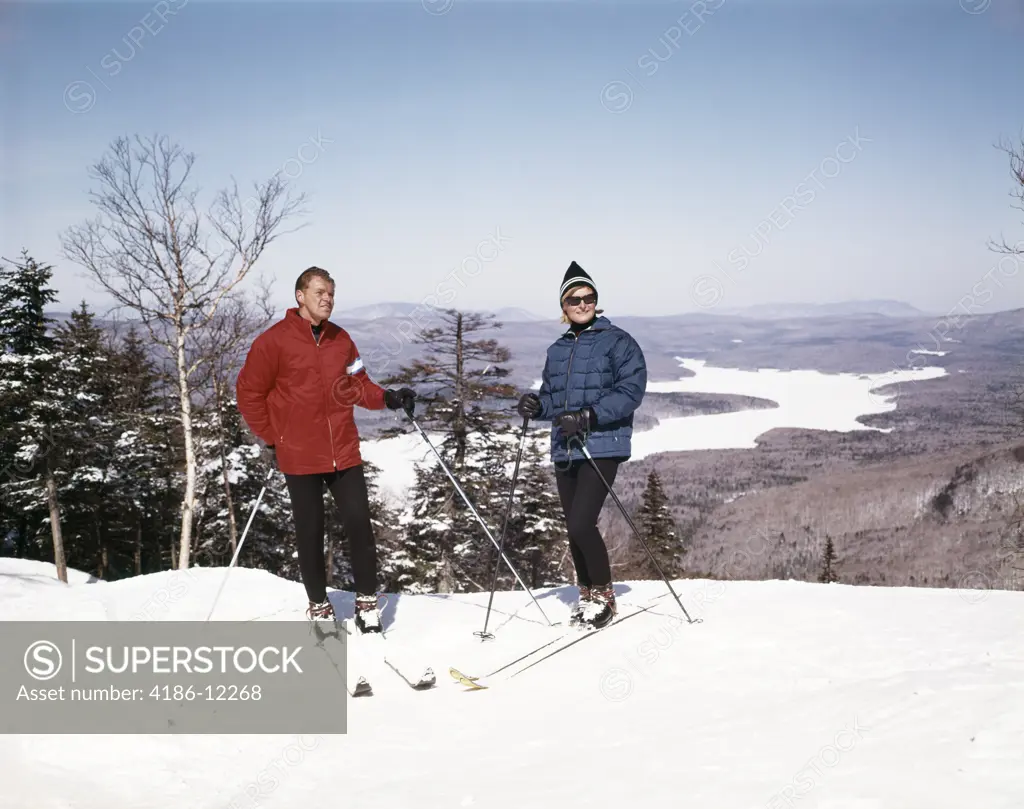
column 594, row 378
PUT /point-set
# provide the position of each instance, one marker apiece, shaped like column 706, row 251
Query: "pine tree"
column 658, row 529
column 539, row 541
column 457, row 398
column 222, row 345
column 24, row 295
column 445, row 549
column 87, row 437
column 231, row 475
column 217, row 465
column 459, row 383
column 146, row 457
column 828, row 562
column 28, row 445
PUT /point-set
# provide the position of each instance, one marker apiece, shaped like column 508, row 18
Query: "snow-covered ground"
column 806, row 399
column 786, row 694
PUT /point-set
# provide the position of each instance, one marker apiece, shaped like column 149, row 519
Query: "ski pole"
column 622, row 508
column 485, row 635
column 479, row 519
column 238, row 548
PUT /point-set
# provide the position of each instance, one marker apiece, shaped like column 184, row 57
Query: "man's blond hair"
column 302, row 283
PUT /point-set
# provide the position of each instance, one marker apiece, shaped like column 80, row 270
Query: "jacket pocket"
column 282, row 424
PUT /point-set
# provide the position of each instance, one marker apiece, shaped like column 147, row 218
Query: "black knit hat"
column 575, row 276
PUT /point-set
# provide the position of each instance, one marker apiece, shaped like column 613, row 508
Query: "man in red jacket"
column 301, row 379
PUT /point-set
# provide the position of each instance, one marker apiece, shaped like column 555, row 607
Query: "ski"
column 584, row 635
column 471, row 652
column 566, row 634
column 423, row 682
column 357, row 667
column 387, row 651
column 469, row 682
column 575, row 635
column 418, row 677
column 366, row 651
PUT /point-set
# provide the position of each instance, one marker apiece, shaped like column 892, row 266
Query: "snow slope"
column 786, row 694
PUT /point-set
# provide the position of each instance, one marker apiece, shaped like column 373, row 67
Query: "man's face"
column 317, row 299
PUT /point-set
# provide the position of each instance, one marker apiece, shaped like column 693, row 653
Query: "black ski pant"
column 351, row 498
column 583, row 495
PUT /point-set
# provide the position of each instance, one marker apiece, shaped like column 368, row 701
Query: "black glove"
column 576, row 421
column 404, row 398
column 269, row 455
column 529, row 406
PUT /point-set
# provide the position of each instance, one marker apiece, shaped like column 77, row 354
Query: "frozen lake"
column 809, row 400
column 806, row 399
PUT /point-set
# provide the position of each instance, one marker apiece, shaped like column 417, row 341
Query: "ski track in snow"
column 786, row 694
column 806, row 399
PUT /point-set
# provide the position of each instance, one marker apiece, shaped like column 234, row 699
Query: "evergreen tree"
column 24, row 295
column 231, row 476
column 86, row 434
column 146, row 457
column 445, row 549
column 539, row 541
column 658, row 528
column 828, row 562
column 459, row 383
column 421, row 563
column 220, row 432
column 28, row 445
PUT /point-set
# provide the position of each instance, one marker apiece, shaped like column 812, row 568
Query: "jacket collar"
column 292, row 316
column 600, row 323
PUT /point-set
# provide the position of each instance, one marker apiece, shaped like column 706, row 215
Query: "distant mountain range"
column 397, row 310
column 394, row 310
column 400, row 309
column 784, row 311
column 764, row 311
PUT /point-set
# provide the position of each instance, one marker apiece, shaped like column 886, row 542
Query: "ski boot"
column 577, row 612
column 320, row 612
column 600, row 610
column 367, row 616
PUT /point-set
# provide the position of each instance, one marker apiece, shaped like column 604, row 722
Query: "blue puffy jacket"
column 603, row 368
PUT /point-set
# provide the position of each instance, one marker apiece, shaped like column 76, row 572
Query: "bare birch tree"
column 154, row 252
column 1015, row 153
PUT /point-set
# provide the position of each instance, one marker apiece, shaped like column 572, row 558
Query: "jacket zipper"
column 576, row 342
column 568, row 375
column 327, row 408
column 568, row 379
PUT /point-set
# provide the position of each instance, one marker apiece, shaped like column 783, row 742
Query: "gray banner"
column 173, row 677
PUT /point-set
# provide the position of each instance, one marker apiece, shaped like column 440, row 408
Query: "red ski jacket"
column 297, row 395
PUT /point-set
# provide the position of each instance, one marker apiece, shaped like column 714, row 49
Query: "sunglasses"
column 576, row 300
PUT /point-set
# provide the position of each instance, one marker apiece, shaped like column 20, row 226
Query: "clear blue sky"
column 438, row 130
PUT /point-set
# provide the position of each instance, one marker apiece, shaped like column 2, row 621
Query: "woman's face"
column 579, row 304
